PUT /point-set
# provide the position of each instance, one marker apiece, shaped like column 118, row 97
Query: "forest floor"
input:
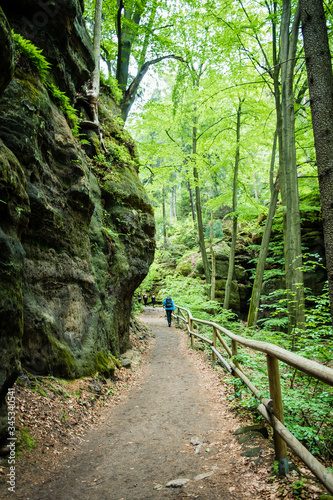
column 163, row 429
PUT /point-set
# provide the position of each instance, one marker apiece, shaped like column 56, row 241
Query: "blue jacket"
column 169, row 308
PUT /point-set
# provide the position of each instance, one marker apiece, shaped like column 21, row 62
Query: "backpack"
column 168, row 302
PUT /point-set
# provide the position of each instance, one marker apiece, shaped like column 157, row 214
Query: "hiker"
column 169, row 306
column 153, row 299
column 145, row 298
column 139, row 298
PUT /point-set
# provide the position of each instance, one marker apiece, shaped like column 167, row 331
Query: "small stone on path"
column 177, row 483
column 199, row 477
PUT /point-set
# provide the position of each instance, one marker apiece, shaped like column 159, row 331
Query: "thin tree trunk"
column 255, row 186
column 201, row 234
column 288, row 174
column 95, row 77
column 231, row 267
column 212, row 253
column 256, row 290
column 272, row 166
column 171, row 203
column 257, row 284
column 320, row 79
column 164, row 219
column 191, row 200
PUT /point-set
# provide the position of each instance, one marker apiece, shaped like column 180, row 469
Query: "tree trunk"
column 256, row 290
column 201, row 234
column 257, row 284
column 288, row 174
column 171, row 204
column 95, row 77
column 231, row 267
column 191, row 200
column 164, row 219
column 126, row 33
column 320, row 80
column 212, row 253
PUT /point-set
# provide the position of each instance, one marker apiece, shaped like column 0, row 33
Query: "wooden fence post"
column 275, row 394
column 178, row 313
column 190, row 327
column 234, row 351
column 214, row 357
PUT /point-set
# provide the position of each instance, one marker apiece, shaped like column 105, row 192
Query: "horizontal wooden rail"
column 317, row 468
column 312, row 368
column 271, row 409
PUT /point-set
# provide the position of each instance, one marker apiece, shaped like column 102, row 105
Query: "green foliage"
column 183, row 234
column 217, row 230
column 64, row 103
column 26, row 440
column 112, row 83
column 35, row 56
column 42, row 66
column 118, row 153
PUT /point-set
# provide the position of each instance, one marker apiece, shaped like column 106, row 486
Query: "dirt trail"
column 173, row 424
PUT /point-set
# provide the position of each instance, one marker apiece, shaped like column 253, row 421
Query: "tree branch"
column 212, row 125
column 132, row 89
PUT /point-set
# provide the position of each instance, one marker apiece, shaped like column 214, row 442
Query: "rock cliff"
column 77, row 234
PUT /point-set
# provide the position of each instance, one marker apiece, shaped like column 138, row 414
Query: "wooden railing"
column 270, row 408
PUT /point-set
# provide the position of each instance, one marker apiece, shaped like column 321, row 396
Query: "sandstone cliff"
column 76, row 234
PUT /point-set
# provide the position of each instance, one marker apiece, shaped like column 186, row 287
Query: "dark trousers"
column 168, row 313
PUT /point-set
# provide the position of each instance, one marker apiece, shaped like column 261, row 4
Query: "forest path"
column 173, row 424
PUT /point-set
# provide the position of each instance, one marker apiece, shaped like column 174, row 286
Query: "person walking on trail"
column 145, row 298
column 169, row 306
column 139, row 297
column 153, row 299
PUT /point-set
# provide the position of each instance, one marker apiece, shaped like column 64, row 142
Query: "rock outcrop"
column 77, row 235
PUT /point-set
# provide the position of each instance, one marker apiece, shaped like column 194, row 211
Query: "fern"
column 65, row 104
column 42, row 66
column 31, row 52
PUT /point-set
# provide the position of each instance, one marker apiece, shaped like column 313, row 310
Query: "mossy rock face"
column 14, row 218
column 222, row 267
column 234, row 301
column 222, row 251
column 73, row 248
column 184, row 268
column 6, row 53
column 60, row 31
column 105, row 365
column 199, row 268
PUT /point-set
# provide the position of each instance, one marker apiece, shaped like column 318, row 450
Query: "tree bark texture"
column 201, row 234
column 164, row 219
column 231, row 267
column 288, row 173
column 320, row 81
column 191, row 200
column 93, row 93
column 212, row 253
column 257, row 284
